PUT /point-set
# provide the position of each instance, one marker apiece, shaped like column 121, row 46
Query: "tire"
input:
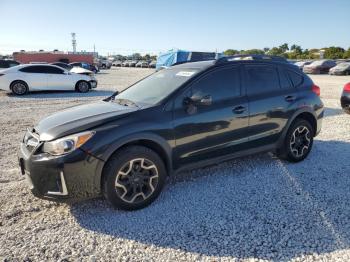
column 133, row 178
column 103, row 66
column 83, row 87
column 298, row 141
column 19, row 88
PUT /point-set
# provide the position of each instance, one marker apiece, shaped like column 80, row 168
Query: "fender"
column 128, row 139
column 304, row 109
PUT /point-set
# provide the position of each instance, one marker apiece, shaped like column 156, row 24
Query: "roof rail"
column 250, row 57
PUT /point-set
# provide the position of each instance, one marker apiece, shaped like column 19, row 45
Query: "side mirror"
column 198, row 100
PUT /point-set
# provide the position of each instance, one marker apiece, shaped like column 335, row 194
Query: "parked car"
column 186, row 116
column 117, row 63
column 301, row 64
column 105, row 64
column 142, row 64
column 152, row 64
column 319, row 67
column 132, row 63
column 87, row 66
column 63, row 65
column 24, row 78
column 7, row 63
column 125, row 63
column 345, row 98
column 340, row 69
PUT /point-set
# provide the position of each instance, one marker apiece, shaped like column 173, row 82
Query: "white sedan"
column 38, row 77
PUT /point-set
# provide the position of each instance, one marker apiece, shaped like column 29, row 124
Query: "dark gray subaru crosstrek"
column 183, row 117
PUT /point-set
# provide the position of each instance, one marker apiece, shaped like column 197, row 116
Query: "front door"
column 210, row 129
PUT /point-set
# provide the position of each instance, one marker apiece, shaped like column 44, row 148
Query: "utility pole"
column 74, row 43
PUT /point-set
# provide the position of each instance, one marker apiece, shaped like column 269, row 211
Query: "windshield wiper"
column 125, row 102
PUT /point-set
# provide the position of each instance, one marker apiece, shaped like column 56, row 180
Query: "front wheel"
column 83, row 87
column 298, row 141
column 133, row 178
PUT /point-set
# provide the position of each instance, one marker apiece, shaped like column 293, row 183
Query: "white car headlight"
column 67, row 144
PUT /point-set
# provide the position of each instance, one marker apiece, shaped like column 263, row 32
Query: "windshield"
column 157, row 86
column 317, row 63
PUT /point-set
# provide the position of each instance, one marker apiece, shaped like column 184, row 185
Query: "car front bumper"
column 93, row 83
column 63, row 178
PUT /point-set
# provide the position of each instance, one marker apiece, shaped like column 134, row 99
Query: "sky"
column 153, row 26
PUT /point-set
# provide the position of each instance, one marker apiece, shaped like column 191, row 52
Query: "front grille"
column 31, row 140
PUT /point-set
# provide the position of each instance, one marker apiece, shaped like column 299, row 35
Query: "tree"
column 266, row 49
column 334, row 52
column 136, row 56
column 146, row 57
column 284, row 47
column 253, row 52
column 275, row 51
column 347, row 53
column 296, row 49
column 231, row 52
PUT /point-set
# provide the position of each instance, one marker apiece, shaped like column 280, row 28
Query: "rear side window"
column 284, row 79
column 221, row 84
column 262, row 79
column 32, row 69
column 295, row 78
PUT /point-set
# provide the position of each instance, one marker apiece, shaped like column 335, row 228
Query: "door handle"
column 239, row 109
column 289, row 98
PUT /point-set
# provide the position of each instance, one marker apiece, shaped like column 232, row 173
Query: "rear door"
column 35, row 76
column 272, row 100
column 207, row 131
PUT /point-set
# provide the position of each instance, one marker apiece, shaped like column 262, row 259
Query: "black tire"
column 298, row 141
column 19, row 88
column 127, row 184
column 83, row 86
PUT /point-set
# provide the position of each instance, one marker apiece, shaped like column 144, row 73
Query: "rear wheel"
column 83, row 87
column 134, row 177
column 298, row 141
column 19, row 88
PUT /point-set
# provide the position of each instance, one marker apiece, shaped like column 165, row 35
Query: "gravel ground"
column 253, row 208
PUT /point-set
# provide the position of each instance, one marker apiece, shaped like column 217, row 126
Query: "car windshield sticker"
column 185, row 73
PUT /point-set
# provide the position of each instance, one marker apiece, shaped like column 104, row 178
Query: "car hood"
column 80, row 118
column 79, row 70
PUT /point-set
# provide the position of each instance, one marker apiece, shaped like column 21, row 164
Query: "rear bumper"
column 63, row 178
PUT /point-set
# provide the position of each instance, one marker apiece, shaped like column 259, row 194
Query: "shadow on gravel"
column 63, row 94
column 254, row 207
column 332, row 111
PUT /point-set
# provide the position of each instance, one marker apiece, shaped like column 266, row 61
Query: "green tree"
column 266, row 49
column 253, row 52
column 284, row 47
column 275, row 51
column 231, row 52
column 334, row 52
column 347, row 53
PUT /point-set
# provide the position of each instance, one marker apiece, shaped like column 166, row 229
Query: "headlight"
column 67, row 144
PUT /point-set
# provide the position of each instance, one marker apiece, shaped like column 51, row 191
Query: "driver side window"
column 221, row 84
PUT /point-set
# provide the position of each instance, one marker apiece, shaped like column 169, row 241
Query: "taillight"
column 347, row 88
column 316, row 90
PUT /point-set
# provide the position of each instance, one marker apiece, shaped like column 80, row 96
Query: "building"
column 53, row 56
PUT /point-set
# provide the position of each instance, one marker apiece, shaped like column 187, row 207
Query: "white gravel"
column 253, row 208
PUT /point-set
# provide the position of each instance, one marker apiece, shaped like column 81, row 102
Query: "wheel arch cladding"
column 163, row 151
column 308, row 117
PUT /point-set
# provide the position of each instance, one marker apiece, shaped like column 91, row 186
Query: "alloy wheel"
column 19, row 88
column 83, row 87
column 136, row 180
column 300, row 141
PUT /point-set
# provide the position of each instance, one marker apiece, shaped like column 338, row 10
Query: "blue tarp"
column 172, row 57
